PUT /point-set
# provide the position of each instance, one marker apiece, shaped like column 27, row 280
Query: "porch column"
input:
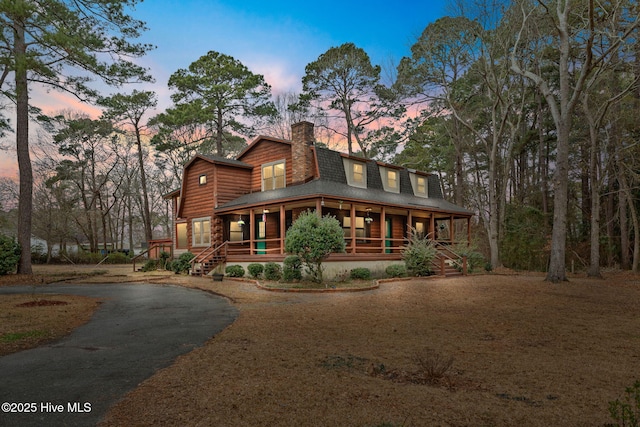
column 282, row 230
column 353, row 228
column 252, row 231
column 319, row 207
column 451, row 231
column 383, row 228
column 432, row 226
column 409, row 224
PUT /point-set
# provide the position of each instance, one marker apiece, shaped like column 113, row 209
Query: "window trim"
column 236, row 232
column 202, row 179
column 384, row 175
column 361, row 231
column 202, row 242
column 184, row 242
column 414, row 185
column 272, row 166
column 350, row 173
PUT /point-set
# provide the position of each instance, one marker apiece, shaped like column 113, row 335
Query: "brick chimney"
column 302, row 138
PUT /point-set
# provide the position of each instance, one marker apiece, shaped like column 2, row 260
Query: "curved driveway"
column 137, row 330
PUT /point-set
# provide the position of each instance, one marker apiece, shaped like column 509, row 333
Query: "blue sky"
column 274, row 38
column 278, row 39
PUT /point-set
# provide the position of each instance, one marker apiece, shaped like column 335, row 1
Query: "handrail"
column 446, row 252
column 205, row 253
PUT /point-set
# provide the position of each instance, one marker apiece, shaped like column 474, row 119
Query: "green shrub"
column 183, row 263
column 292, row 268
column 418, row 255
column 234, row 271
column 117, row 258
column 627, row 413
column 396, row 270
column 255, row 270
column 84, row 257
column 272, row 271
column 361, row 273
column 475, row 259
column 313, row 238
column 164, row 260
column 150, row 265
column 9, row 255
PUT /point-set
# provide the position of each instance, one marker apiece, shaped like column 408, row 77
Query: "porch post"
column 252, row 231
column 319, row 208
column 282, row 230
column 383, row 229
column 409, row 224
column 353, row 228
column 432, row 227
column 451, row 230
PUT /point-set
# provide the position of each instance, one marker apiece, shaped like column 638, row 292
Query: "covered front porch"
column 371, row 231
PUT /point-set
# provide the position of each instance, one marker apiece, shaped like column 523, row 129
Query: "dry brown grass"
column 525, row 352
column 27, row 321
column 522, row 352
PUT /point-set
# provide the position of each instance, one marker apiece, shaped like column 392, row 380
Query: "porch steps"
column 445, row 260
column 208, row 265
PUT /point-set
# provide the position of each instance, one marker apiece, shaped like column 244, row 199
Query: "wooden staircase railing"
column 449, row 263
column 208, row 259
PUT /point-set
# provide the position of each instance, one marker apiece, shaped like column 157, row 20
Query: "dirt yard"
column 519, row 351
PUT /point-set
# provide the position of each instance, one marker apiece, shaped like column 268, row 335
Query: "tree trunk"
column 25, row 200
column 146, row 215
column 594, row 258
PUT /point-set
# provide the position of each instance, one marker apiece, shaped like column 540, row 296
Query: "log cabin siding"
column 266, row 152
column 231, row 183
column 198, row 200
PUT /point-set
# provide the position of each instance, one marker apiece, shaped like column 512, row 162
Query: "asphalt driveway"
column 138, row 329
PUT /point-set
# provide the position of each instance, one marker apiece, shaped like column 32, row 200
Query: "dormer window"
column 390, row 179
column 356, row 173
column 419, row 184
column 273, row 175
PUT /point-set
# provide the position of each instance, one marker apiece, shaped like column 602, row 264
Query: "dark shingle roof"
column 320, row 187
column 219, row 159
column 332, row 182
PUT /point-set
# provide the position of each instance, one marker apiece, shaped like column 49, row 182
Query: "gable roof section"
column 211, row 158
column 258, row 140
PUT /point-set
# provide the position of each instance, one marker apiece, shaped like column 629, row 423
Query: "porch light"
column 240, row 221
column 322, row 202
column 368, row 219
column 340, row 204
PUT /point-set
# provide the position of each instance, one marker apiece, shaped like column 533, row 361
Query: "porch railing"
column 216, row 253
column 447, row 258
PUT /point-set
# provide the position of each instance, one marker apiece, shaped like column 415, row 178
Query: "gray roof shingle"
column 332, row 182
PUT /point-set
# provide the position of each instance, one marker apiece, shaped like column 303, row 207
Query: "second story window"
column 390, row 179
column 419, row 184
column 356, row 173
column 273, row 175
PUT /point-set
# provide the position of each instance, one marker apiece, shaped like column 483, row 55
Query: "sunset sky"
column 276, row 39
